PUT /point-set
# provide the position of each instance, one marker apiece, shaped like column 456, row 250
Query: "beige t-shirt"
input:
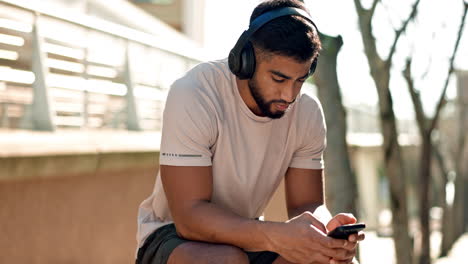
column 206, row 123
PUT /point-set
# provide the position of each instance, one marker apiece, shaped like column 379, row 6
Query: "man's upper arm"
column 188, row 133
column 185, row 186
column 304, row 188
column 304, row 178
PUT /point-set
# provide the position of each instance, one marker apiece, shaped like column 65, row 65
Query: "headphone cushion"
column 313, row 67
column 247, row 68
column 233, row 62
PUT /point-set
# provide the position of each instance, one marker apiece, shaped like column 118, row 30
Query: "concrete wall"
column 80, row 218
column 60, row 207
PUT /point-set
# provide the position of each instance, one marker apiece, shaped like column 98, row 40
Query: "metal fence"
column 74, row 71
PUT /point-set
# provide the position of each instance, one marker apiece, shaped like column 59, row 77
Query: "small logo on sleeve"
column 181, row 155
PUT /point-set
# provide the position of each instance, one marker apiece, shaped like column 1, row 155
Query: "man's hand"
column 304, row 239
column 350, row 244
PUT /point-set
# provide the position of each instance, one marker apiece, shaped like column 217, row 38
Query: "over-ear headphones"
column 242, row 56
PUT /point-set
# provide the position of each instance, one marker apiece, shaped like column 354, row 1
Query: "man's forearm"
column 205, row 221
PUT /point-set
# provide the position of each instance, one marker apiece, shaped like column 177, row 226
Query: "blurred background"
column 83, row 85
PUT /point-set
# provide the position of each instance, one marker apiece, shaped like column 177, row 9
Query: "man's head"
column 291, row 36
column 283, row 51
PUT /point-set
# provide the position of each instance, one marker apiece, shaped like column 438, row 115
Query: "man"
column 227, row 142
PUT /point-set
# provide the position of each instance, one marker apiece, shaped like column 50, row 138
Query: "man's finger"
column 337, row 253
column 320, row 258
column 333, row 242
column 341, row 219
column 351, row 246
column 342, row 254
column 345, row 218
column 356, row 237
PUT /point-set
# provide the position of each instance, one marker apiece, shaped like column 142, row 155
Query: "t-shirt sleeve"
column 189, row 128
column 309, row 154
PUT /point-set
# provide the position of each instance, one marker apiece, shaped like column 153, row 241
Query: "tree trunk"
column 447, row 230
column 454, row 223
column 462, row 168
column 465, row 202
column 458, row 205
column 444, row 172
column 424, row 206
column 395, row 173
column 340, row 181
column 380, row 71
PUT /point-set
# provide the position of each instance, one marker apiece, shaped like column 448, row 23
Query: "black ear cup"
column 233, row 62
column 247, row 68
column 313, row 66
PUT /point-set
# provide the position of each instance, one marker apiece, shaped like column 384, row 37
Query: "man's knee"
column 206, row 253
column 234, row 255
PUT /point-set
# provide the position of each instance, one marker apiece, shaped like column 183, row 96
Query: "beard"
column 265, row 106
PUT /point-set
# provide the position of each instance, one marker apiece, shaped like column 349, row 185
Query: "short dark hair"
column 291, row 36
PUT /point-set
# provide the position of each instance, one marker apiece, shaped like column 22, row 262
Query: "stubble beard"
column 265, row 107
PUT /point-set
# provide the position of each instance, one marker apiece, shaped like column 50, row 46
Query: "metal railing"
column 62, row 70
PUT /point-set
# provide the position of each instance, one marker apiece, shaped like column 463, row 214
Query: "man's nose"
column 287, row 93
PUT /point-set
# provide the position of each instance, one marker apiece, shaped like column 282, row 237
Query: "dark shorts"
column 160, row 244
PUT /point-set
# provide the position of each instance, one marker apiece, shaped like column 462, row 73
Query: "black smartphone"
column 342, row 232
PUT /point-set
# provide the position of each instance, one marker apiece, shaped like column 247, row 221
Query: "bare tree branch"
column 418, row 108
column 365, row 25
column 374, row 5
column 426, row 72
column 462, row 137
column 359, row 7
column 442, row 100
column 401, row 30
column 361, row 10
column 441, row 162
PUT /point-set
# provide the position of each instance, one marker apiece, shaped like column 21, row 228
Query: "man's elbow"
column 183, row 231
column 185, row 226
column 186, row 222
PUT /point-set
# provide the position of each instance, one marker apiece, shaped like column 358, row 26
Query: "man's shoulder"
column 203, row 70
column 309, row 103
column 309, row 112
column 201, row 76
column 201, row 86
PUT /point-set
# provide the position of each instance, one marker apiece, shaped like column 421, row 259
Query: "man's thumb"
column 315, row 222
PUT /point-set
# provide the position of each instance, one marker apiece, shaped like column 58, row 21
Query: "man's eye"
column 278, row 80
column 301, row 80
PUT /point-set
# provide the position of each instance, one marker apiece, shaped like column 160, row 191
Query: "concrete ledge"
column 30, row 155
column 20, row 168
column 21, row 143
